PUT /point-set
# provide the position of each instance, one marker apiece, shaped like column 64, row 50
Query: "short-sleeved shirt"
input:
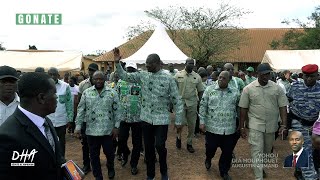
column 189, row 85
column 263, row 103
column 7, row 110
column 237, row 83
column 285, row 83
column 218, row 109
column 85, row 84
column 306, row 100
column 249, row 79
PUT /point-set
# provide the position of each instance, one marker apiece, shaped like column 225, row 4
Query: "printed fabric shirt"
column 130, row 100
column 249, row 79
column 101, row 110
column 218, row 109
column 286, row 84
column 64, row 110
column 306, row 100
column 236, row 83
column 158, row 91
column 85, row 84
column 189, row 84
column 7, row 110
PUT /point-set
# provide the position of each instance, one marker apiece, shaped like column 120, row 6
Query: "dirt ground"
column 183, row 165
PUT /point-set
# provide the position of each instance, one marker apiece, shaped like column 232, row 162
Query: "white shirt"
column 6, row 111
column 74, row 92
column 298, row 155
column 37, row 120
column 60, row 116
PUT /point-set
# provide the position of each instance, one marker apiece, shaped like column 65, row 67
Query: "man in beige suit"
column 261, row 102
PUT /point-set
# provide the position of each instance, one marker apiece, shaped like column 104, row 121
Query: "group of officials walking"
column 141, row 101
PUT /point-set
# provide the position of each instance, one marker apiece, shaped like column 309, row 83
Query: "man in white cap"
column 9, row 99
column 130, row 100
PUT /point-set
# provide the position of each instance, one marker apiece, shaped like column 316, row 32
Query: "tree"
column 307, row 37
column 205, row 33
column 2, row 48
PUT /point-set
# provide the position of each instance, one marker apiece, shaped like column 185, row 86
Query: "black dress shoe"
column 226, row 177
column 86, row 169
column 134, row 170
column 119, row 157
column 190, row 148
column 124, row 161
column 207, row 163
column 264, row 174
column 111, row 173
column 178, row 143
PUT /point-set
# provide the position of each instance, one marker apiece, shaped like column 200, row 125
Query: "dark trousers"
column 197, row 129
column 136, row 135
column 155, row 135
column 226, row 144
column 61, row 133
column 85, row 146
column 95, row 143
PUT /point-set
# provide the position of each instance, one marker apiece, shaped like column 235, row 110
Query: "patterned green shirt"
column 218, row 109
column 249, row 79
column 101, row 110
column 158, row 91
column 130, row 100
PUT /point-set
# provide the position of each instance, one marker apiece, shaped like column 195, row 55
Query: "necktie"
column 294, row 162
column 49, row 135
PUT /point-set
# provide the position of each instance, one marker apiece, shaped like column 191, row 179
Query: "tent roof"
column 161, row 44
column 292, row 60
column 27, row 61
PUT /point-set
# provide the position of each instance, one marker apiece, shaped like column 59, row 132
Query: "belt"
column 302, row 121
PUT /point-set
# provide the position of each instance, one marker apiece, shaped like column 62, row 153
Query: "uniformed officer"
column 304, row 98
column 191, row 90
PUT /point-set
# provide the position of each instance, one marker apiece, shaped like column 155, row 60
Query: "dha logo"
column 38, row 19
column 23, row 157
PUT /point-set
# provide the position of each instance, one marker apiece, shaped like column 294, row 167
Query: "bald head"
column 223, row 79
column 225, row 74
column 153, row 63
column 98, row 80
column 54, row 73
column 209, row 69
column 98, row 73
column 229, row 67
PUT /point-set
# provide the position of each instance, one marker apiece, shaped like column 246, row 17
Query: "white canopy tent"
column 292, row 60
column 161, row 44
column 27, row 61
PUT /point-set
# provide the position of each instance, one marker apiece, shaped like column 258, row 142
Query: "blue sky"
column 101, row 25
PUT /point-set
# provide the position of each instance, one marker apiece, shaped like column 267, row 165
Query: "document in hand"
column 71, row 171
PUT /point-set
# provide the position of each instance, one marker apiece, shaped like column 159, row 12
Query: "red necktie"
column 294, row 162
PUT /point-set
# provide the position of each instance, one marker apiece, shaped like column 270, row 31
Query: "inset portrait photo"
column 299, row 157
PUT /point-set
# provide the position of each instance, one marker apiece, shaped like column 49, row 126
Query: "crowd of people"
column 38, row 108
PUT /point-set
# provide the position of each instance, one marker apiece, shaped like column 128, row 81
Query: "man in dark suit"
column 300, row 157
column 29, row 147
